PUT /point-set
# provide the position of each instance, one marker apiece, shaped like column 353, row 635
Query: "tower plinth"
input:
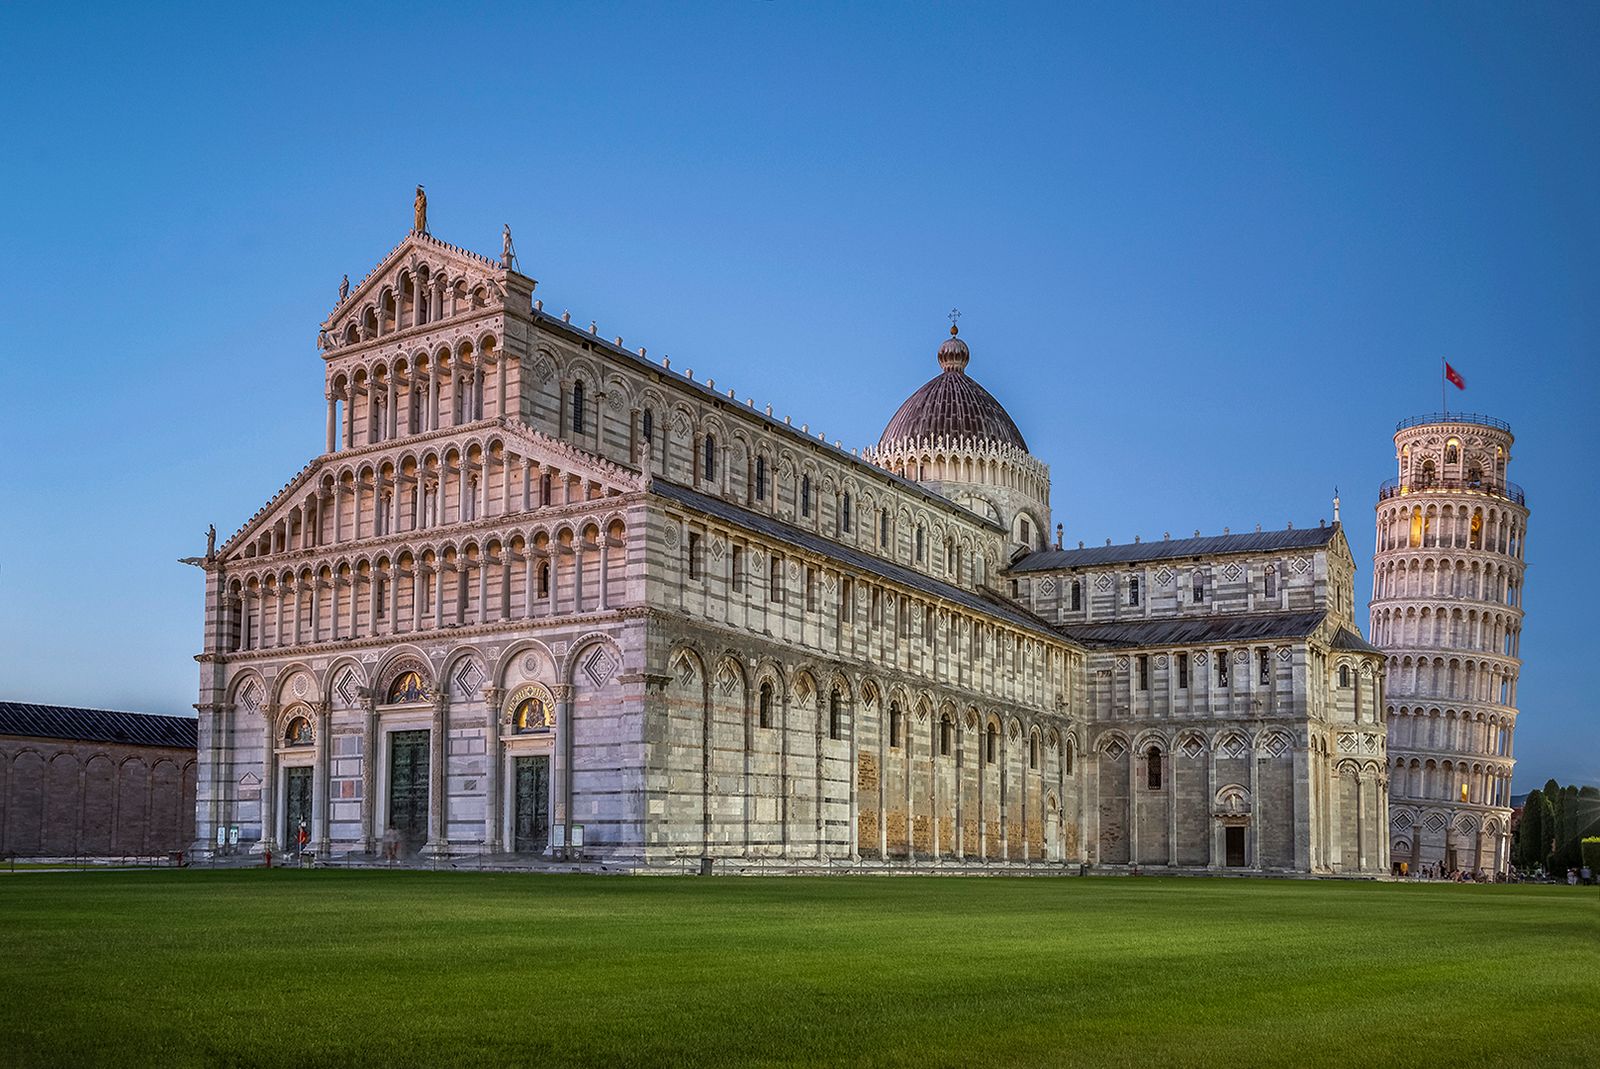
column 1447, row 611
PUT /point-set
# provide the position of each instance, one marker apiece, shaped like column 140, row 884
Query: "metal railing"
column 1454, row 417
column 1396, row 487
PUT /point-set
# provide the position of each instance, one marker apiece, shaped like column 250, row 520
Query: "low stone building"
column 540, row 593
column 94, row 783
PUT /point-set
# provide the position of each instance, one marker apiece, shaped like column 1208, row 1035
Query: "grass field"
column 414, row 968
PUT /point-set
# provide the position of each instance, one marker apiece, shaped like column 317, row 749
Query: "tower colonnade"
column 1447, row 611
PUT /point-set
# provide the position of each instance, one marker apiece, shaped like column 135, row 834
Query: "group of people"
column 1439, row 872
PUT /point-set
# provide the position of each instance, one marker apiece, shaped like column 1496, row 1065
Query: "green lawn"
column 415, row 968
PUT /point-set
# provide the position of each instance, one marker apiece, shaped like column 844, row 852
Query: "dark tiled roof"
column 96, row 725
column 952, row 405
column 1346, row 639
column 1047, row 560
column 1195, row 630
column 855, row 558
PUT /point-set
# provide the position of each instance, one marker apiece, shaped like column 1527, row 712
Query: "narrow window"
column 761, row 478
column 694, row 555
column 883, row 529
column 844, row 512
column 1344, row 675
column 765, row 719
column 544, row 488
column 1222, row 668
column 876, row 608
column 847, row 600
column 711, row 457
column 649, row 426
column 1033, row 752
column 927, row 627
column 1133, row 590
column 811, row 589
column 1263, row 667
column 920, row 540
column 991, row 744
column 805, row 495
column 1027, row 533
column 1144, row 671
column 577, row 407
column 1183, row 671
column 835, row 716
column 947, row 732
column 894, row 725
column 1152, row 769
column 776, row 586
column 738, row 568
column 1077, row 595
column 1269, row 585
column 1199, row 591
column 544, row 579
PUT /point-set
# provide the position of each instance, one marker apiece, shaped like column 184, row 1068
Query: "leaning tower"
column 1447, row 610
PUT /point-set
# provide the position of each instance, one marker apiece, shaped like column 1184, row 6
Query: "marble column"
column 439, row 775
column 322, row 803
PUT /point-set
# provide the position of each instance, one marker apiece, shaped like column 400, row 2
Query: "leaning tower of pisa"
column 1447, row 610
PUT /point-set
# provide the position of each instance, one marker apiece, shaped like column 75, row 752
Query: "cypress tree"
column 1530, row 832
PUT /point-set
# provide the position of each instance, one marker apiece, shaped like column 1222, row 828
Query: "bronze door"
column 532, row 829
column 408, row 788
column 297, row 806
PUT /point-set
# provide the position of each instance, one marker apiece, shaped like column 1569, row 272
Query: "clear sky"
column 1207, row 255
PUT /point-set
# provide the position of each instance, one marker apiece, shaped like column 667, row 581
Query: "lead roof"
column 1046, row 560
column 32, row 720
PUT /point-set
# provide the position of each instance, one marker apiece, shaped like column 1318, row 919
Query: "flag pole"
column 1444, row 402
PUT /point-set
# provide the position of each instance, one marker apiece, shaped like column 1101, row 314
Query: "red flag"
column 1454, row 377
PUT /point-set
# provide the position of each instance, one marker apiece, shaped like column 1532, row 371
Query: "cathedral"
column 544, row 597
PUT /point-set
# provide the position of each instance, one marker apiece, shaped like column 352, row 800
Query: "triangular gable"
column 417, row 249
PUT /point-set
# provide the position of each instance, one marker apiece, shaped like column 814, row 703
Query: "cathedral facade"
column 541, row 596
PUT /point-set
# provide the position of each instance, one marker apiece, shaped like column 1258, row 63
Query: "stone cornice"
column 450, row 325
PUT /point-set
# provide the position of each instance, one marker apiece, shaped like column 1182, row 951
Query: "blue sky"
column 1207, row 255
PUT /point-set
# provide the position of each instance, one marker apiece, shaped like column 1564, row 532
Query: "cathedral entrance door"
column 1233, row 843
column 532, row 831
column 1450, row 858
column 408, row 788
column 296, row 806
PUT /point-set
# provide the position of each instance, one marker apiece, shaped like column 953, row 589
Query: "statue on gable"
column 420, row 210
column 211, row 541
column 508, row 254
column 344, row 288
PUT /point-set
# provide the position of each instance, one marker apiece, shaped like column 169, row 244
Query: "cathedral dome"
column 952, row 405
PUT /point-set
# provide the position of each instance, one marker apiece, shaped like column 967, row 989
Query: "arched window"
column 883, row 529
column 844, row 512
column 545, row 488
column 544, row 579
column 649, row 428
column 921, row 538
column 805, row 495
column 532, row 714
column 298, row 733
column 1426, row 477
column 991, row 744
column 835, row 716
column 764, row 708
column 407, row 687
column 577, row 407
column 947, row 732
column 694, row 555
column 1452, row 451
column 1033, row 751
column 1199, row 588
column 1133, row 590
column 775, row 587
column 1269, row 584
column 1077, row 595
column 710, row 466
column 761, row 478
column 1066, row 757
column 1344, row 675
column 1152, row 768
column 896, row 727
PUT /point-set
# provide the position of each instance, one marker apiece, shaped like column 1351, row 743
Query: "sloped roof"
column 1195, row 630
column 1346, row 639
column 1046, row 560
column 35, row 721
column 778, row 531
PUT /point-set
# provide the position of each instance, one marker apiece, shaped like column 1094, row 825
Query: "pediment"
column 485, row 283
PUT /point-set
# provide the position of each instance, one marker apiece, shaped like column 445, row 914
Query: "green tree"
column 1532, row 841
column 1551, row 854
